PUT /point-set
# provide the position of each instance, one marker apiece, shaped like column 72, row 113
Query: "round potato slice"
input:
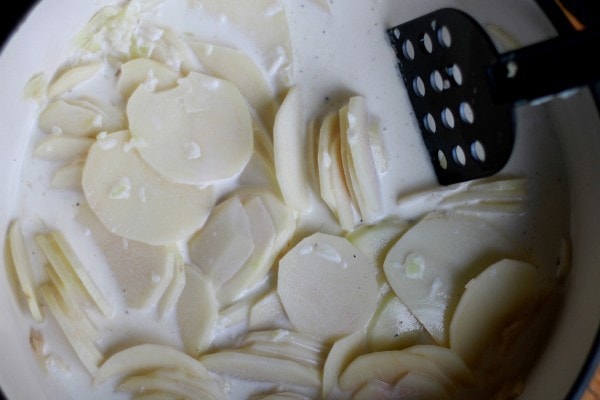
column 196, row 133
column 327, row 286
column 135, row 202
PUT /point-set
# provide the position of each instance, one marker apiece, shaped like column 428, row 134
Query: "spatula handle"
column 546, row 68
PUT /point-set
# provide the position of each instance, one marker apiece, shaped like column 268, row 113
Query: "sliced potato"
column 327, row 286
column 501, row 294
column 87, row 352
column 225, row 242
column 197, row 311
column 330, row 130
column 73, row 77
column 290, row 153
column 447, row 360
column 285, row 351
column 341, row 354
column 420, row 386
column 70, row 270
column 282, row 396
column 366, row 181
column 173, row 291
column 393, row 327
column 259, row 173
column 196, row 133
column 388, row 367
column 345, row 208
column 143, row 272
column 430, row 264
column 285, row 336
column 236, row 67
column 146, row 357
column 375, row 390
column 62, row 116
column 145, row 71
column 170, row 49
column 111, row 117
column 20, row 258
column 253, row 367
column 135, row 202
column 62, row 147
column 69, row 176
column 268, row 313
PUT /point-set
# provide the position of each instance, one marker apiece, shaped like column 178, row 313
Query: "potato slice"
column 140, row 71
column 88, row 353
column 290, row 153
column 196, row 133
column 69, row 176
column 341, row 354
column 62, row 147
column 225, row 242
column 256, row 269
column 20, row 258
column 504, row 292
column 73, row 77
column 345, row 208
column 393, row 327
column 375, row 390
column 197, row 311
column 70, row 270
column 366, row 179
column 260, row 173
column 447, row 360
column 327, row 286
column 419, row 386
column 135, row 202
column 253, row 367
column 285, row 336
column 330, row 129
column 431, row 263
column 175, row 287
column 174, row 382
column 170, row 49
column 236, row 67
column 111, row 117
column 299, row 348
column 282, row 396
column 268, row 313
column 388, row 367
column 143, row 272
column 147, row 357
column 63, row 116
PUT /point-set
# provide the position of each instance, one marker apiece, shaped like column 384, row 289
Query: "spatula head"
column 443, row 58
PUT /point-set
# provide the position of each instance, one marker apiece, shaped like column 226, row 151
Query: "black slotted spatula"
column 462, row 90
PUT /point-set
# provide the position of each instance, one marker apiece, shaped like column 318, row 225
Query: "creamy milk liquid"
column 337, row 53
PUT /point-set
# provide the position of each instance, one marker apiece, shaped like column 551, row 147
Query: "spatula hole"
column 444, row 36
column 458, row 154
column 478, row 151
column 448, row 118
column 426, row 43
column 442, row 160
column 456, row 74
column 466, row 113
column 408, row 50
column 437, row 81
column 419, row 86
column 429, row 123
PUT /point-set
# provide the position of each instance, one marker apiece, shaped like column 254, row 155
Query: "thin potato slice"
column 87, row 352
column 172, row 50
column 62, row 116
column 282, row 396
column 285, row 336
column 377, row 390
column 259, row 173
column 290, row 153
column 429, row 279
column 420, row 386
column 174, row 382
column 70, row 269
column 236, row 67
column 72, row 77
column 142, row 272
column 69, row 176
column 345, row 209
column 253, row 367
column 501, row 294
column 268, row 313
column 173, row 291
column 285, row 351
column 18, row 251
column 197, row 311
column 134, row 201
column 342, row 352
column 155, row 75
column 225, row 242
column 196, row 133
column 327, row 286
column 330, row 130
column 62, row 147
column 147, row 357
